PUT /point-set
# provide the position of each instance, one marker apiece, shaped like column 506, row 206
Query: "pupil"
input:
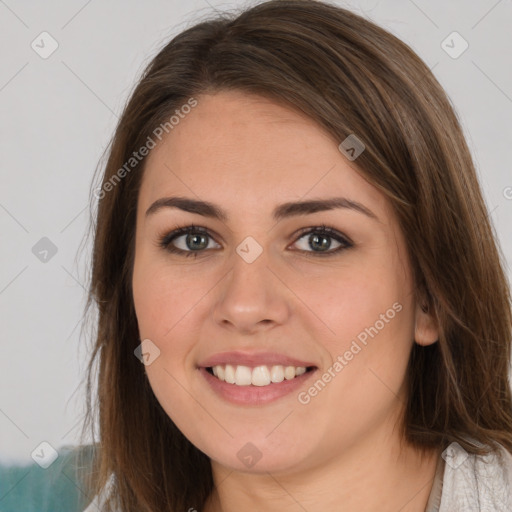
column 314, row 241
column 193, row 239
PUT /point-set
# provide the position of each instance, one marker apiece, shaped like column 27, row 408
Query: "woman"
column 300, row 295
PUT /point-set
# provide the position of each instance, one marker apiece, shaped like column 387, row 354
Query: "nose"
column 251, row 297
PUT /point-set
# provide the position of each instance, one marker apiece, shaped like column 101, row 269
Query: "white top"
column 465, row 482
column 462, row 483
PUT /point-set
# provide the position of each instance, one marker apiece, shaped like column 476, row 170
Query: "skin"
column 327, row 454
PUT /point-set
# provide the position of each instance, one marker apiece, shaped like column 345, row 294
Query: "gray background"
column 58, row 113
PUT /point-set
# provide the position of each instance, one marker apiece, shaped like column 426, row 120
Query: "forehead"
column 240, row 149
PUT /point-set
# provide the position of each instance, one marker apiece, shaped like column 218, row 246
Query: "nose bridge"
column 249, row 277
column 250, row 294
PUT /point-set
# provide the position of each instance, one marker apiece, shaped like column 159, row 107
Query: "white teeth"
column 257, row 376
column 243, row 376
column 277, row 374
column 229, row 374
column 260, row 376
column 289, row 372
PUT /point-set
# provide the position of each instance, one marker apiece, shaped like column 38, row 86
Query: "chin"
column 258, row 454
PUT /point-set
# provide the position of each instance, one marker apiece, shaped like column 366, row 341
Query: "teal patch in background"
column 58, row 488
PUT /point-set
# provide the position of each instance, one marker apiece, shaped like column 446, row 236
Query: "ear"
column 426, row 329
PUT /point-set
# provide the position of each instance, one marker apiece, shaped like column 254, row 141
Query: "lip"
column 255, row 395
column 253, row 359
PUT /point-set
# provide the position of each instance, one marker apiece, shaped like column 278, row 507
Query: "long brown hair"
column 351, row 77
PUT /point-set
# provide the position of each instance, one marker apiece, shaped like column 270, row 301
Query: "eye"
column 195, row 239
column 320, row 238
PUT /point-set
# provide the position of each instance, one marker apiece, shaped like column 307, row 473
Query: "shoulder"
column 476, row 482
column 97, row 503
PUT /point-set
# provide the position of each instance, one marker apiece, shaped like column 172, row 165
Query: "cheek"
column 369, row 320
column 351, row 304
column 164, row 304
column 375, row 329
column 162, row 299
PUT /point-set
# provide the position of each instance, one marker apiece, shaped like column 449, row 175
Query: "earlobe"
column 426, row 330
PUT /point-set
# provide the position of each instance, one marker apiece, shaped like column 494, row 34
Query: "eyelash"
column 165, row 240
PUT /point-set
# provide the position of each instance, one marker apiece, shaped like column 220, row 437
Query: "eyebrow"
column 285, row 210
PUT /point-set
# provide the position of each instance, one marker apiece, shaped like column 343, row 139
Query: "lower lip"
column 254, row 395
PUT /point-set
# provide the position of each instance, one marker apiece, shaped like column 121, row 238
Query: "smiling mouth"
column 263, row 375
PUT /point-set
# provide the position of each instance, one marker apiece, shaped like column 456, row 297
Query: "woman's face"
column 261, row 292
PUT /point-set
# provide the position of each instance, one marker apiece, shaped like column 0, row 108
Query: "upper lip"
column 252, row 359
